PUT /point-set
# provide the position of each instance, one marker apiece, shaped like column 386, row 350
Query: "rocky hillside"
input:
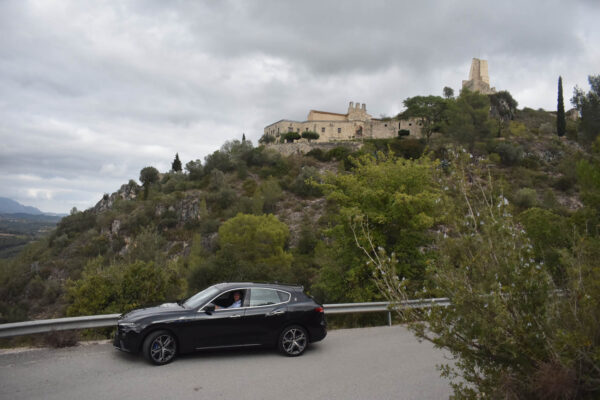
column 180, row 228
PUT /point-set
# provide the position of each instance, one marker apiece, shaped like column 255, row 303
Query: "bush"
column 338, row 153
column 302, row 186
column 116, row 288
column 318, row 154
column 509, row 154
column 195, row 170
column 266, row 139
column 526, row 198
column 309, row 135
column 249, row 186
column 290, row 137
column 403, row 132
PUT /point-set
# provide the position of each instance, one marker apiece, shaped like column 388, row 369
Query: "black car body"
column 267, row 315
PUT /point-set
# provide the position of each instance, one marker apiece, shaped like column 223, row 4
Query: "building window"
column 322, row 129
column 385, row 125
column 339, row 130
column 290, row 129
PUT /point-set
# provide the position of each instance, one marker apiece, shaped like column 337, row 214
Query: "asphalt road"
column 368, row 363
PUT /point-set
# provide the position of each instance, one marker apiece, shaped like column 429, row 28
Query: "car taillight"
column 319, row 309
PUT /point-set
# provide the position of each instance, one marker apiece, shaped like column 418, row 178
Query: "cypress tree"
column 561, row 123
column 176, row 166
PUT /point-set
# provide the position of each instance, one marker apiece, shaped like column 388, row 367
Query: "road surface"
column 368, row 363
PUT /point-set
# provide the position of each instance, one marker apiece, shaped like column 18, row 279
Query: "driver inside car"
column 237, row 301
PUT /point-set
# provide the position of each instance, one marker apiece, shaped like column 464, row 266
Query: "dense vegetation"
column 492, row 209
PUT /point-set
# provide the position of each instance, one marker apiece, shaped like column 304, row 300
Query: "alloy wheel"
column 162, row 349
column 293, row 341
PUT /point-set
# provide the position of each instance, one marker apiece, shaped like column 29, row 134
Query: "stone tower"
column 479, row 78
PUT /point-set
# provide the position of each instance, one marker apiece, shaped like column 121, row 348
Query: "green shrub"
column 509, row 154
column 249, row 186
column 309, row 135
column 526, row 198
column 317, row 153
column 302, row 185
column 290, row 137
column 338, row 153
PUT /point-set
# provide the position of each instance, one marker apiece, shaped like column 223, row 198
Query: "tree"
column 429, row 109
column 290, row 137
column 561, row 123
column 266, row 139
column 122, row 287
column 588, row 106
column 398, row 199
column 467, row 118
column 511, row 333
column 148, row 176
column 252, row 248
column 503, row 107
column 195, row 170
column 448, row 92
column 310, row 135
column 176, row 165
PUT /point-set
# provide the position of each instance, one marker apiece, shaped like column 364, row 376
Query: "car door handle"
column 235, row 316
column 276, row 312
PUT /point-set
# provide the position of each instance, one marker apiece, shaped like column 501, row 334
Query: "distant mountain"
column 9, row 206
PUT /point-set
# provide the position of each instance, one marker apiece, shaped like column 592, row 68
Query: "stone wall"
column 303, row 147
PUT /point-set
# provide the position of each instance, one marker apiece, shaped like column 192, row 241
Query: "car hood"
column 144, row 312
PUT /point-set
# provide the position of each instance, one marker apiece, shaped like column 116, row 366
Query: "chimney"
column 351, row 106
column 364, row 107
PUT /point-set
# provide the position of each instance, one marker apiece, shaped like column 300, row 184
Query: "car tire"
column 293, row 341
column 160, row 347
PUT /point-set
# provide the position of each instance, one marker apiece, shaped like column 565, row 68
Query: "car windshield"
column 201, row 297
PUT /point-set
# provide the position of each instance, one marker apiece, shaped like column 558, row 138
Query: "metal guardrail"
column 101, row 321
column 59, row 324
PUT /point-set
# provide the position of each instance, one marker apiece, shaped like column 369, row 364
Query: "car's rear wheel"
column 293, row 341
column 160, row 347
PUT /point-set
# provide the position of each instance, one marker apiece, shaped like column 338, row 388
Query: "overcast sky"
column 93, row 91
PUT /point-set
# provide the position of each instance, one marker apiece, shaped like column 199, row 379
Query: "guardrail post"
column 389, row 318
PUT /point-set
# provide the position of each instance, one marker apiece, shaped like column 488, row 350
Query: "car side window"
column 283, row 296
column 227, row 299
column 263, row 297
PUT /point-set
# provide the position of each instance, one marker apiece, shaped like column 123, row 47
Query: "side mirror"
column 209, row 309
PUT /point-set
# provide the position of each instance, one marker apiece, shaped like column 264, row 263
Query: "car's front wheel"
column 160, row 347
column 293, row 341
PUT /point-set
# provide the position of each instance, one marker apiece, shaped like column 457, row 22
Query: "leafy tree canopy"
column 430, row 109
column 148, row 176
column 310, row 135
column 588, row 105
column 398, row 201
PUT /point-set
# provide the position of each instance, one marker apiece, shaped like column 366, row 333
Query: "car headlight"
column 129, row 326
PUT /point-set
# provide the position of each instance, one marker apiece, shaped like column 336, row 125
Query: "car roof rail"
column 294, row 285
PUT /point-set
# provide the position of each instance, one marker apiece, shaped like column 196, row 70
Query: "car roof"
column 244, row 285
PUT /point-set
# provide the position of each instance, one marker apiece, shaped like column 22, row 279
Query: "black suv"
column 225, row 315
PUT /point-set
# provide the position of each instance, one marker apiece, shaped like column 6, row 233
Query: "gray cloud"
column 94, row 91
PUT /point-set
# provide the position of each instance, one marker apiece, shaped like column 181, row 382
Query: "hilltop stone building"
column 356, row 124
column 479, row 78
